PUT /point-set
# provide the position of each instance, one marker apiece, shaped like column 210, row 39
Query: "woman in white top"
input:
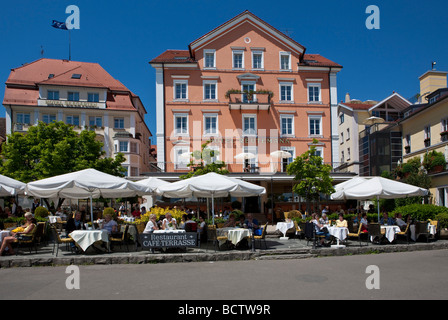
column 169, row 223
column 152, row 224
column 109, row 224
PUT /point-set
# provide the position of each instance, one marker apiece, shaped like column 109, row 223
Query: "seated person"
column 190, row 225
column 320, row 229
column 169, row 223
column 202, row 226
column 387, row 220
column 341, row 222
column 74, row 223
column 152, row 224
column 400, row 222
column 324, row 218
column 109, row 224
column 364, row 223
column 251, row 223
column 231, row 222
column 25, row 232
column 241, row 222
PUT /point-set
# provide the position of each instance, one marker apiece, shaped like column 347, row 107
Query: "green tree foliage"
column 48, row 150
column 312, row 176
column 202, row 162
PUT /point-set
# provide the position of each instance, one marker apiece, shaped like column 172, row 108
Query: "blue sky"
column 123, row 36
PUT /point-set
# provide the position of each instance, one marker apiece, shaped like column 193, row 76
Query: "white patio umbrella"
column 378, row 187
column 152, row 184
column 282, row 154
column 11, row 187
column 88, row 183
column 244, row 156
column 210, row 185
column 373, row 120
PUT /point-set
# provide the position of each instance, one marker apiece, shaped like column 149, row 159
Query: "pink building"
column 249, row 88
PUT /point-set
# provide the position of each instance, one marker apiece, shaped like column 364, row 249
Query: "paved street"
column 403, row 275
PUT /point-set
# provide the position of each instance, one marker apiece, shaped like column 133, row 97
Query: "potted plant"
column 434, row 161
column 412, row 165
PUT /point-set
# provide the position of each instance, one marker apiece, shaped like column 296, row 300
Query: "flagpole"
column 69, row 46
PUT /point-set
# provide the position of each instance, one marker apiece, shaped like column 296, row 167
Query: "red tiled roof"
column 174, row 56
column 357, row 106
column 316, row 60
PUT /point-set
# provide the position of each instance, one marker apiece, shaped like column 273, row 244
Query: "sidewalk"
column 276, row 249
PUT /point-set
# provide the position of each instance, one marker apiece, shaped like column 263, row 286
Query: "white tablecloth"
column 338, row 232
column 4, row 233
column 85, row 238
column 235, row 235
column 431, row 229
column 283, row 227
column 390, row 232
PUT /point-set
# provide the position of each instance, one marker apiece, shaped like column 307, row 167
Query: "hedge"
column 420, row 212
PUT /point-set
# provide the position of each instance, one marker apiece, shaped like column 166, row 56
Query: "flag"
column 59, row 25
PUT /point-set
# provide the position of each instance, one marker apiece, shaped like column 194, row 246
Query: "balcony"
column 249, row 100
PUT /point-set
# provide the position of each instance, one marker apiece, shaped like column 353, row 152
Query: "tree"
column 47, row 150
column 202, row 162
column 312, row 176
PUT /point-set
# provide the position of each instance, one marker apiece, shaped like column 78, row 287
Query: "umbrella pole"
column 378, row 205
column 91, row 212
column 213, row 209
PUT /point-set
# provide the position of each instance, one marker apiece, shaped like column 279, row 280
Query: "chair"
column 213, row 237
column 434, row 223
column 121, row 240
column 375, row 231
column 191, row 227
column 57, row 240
column 40, row 232
column 421, row 229
column 356, row 235
column 406, row 233
column 310, row 233
column 299, row 231
column 140, row 227
column 262, row 237
column 31, row 242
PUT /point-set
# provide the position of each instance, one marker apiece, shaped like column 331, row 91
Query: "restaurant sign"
column 168, row 240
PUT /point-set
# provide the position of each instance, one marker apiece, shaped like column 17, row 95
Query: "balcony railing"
column 254, row 100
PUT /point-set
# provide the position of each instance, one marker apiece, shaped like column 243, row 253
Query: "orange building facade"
column 247, row 88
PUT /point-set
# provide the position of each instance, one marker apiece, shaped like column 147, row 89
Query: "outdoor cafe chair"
column 310, row 233
column 38, row 230
column 421, row 229
column 57, row 240
column 375, row 232
column 357, row 234
column 262, row 237
column 406, row 233
column 213, row 237
column 120, row 240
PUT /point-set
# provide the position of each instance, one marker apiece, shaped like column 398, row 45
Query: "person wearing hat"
column 25, row 232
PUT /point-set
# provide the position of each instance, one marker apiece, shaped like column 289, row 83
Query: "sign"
column 168, row 240
column 80, row 104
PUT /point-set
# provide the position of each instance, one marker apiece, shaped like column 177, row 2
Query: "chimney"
column 347, row 97
column 430, row 81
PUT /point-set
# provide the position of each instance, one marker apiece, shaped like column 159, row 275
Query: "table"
column 170, row 231
column 283, row 227
column 4, row 233
column 340, row 233
column 390, row 232
column 235, row 235
column 85, row 238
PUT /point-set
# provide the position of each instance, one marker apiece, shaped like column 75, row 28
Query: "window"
column 73, row 96
column 342, row 138
column 247, row 88
column 238, row 59
column 210, row 124
column 23, row 118
column 286, row 92
column 180, row 161
column 285, row 61
column 180, row 90
column 134, row 171
column 348, row 153
column 53, row 95
column 76, row 76
column 73, row 120
column 249, row 124
column 319, row 152
column 210, row 90
column 287, row 125
column 93, row 97
column 257, row 60
column 342, row 157
column 314, row 92
column 211, row 154
column 427, row 136
column 47, row 118
column 315, row 125
column 118, row 123
column 341, row 118
column 181, row 124
column 209, row 59
column 122, row 146
column 95, row 121
column 134, row 147
column 286, row 161
column 444, row 130
column 348, row 134
column 407, row 146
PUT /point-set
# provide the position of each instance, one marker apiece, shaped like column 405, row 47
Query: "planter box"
column 436, row 169
column 443, row 233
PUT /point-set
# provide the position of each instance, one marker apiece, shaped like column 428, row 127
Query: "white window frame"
column 292, row 151
column 72, row 117
column 286, row 84
column 75, row 94
column 23, row 115
column 283, row 54
column 253, row 150
column 95, row 97
column 95, row 121
column 53, row 92
column 49, row 115
column 342, row 138
column 180, row 134
column 314, row 117
column 248, row 83
column 120, row 123
column 348, row 154
column 180, row 163
column 287, row 116
column 257, row 52
column 214, row 159
column 253, row 116
column 206, row 52
column 206, row 83
column 234, row 53
column 210, row 115
column 321, row 150
column 136, row 145
column 444, row 125
column 175, row 84
column 348, row 134
column 320, row 92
